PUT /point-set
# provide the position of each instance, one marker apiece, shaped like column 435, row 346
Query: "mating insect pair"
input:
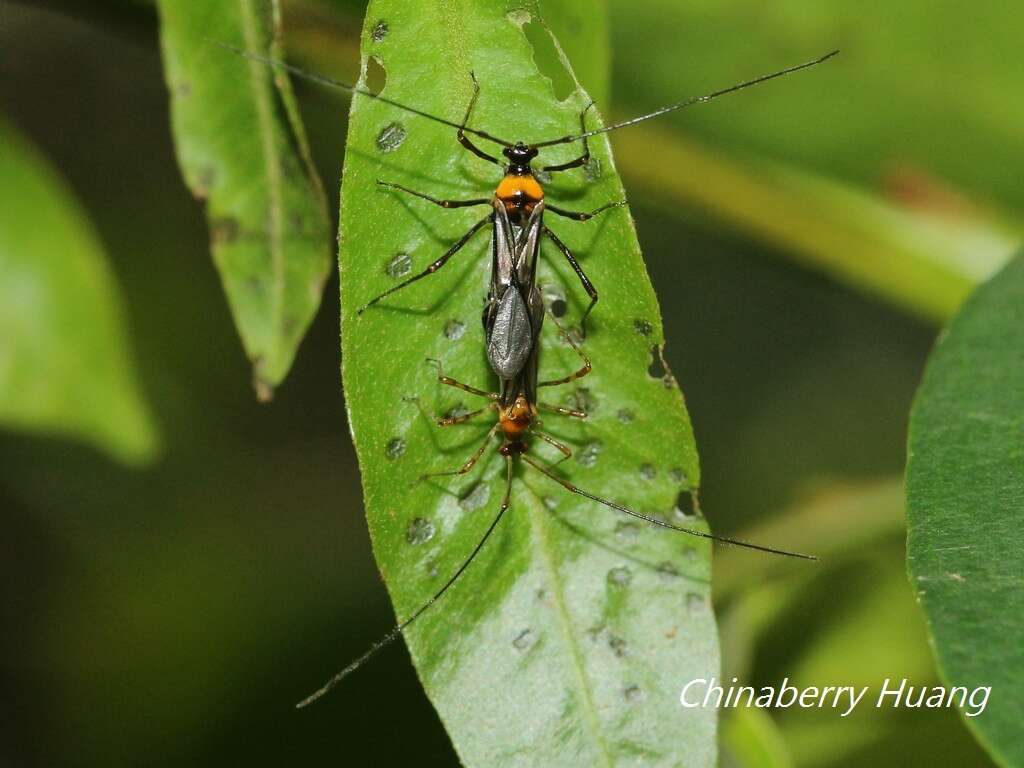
column 517, row 406
column 514, row 311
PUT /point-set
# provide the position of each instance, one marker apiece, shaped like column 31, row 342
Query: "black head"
column 519, row 154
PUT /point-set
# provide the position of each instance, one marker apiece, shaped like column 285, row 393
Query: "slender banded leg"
column 582, row 159
column 434, row 200
column 584, row 369
column 587, row 285
column 581, row 215
column 563, row 411
column 565, row 450
column 470, row 462
column 464, row 140
column 574, row 489
column 433, row 267
column 458, row 384
column 447, row 421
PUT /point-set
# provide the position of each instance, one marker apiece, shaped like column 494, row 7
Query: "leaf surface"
column 965, row 495
column 568, row 639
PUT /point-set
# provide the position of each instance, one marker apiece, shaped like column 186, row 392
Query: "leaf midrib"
column 539, row 527
column 271, row 162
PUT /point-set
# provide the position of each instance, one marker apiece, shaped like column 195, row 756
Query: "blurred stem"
column 922, row 261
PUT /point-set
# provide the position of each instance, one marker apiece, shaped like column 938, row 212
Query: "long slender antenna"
column 332, row 83
column 704, row 535
column 680, row 105
column 395, row 633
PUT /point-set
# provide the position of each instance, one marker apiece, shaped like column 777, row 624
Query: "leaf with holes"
column 242, row 150
column 965, row 493
column 65, row 367
column 569, row 637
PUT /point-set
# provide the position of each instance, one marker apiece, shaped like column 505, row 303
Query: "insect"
column 513, row 318
column 514, row 313
column 517, row 408
column 519, row 192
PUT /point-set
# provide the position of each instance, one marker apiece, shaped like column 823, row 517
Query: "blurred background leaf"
column 965, row 493
column 856, row 185
column 65, row 363
column 562, row 642
column 243, row 152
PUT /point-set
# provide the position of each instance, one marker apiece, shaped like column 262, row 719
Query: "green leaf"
column 965, row 493
column 242, row 150
column 65, row 365
column 568, row 639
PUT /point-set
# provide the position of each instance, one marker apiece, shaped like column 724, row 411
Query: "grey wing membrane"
column 515, row 308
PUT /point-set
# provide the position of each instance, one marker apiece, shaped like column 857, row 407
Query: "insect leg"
column 582, row 215
column 587, row 285
column 458, row 384
column 470, row 462
column 447, row 421
column 565, row 450
column 434, row 200
column 432, row 268
column 585, row 157
column 563, row 411
column 464, row 140
column 655, row 521
column 584, row 369
column 395, row 633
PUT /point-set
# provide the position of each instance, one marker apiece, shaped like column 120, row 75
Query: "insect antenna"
column 395, row 633
column 680, row 105
column 353, row 89
column 703, row 534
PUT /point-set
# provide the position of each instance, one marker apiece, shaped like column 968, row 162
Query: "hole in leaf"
column 656, row 370
column 376, row 75
column 547, row 59
column 687, row 507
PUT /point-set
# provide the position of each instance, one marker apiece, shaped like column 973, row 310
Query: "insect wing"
column 515, row 309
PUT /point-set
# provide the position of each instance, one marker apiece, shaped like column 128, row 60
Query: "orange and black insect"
column 519, row 191
column 517, row 408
